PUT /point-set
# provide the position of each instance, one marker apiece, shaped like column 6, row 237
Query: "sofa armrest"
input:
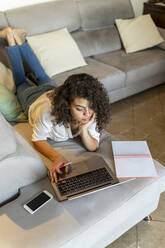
column 162, row 33
column 8, row 141
column 20, row 164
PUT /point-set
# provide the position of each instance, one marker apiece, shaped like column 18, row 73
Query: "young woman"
column 78, row 107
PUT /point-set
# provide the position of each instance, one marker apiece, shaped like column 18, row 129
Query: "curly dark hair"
column 82, row 86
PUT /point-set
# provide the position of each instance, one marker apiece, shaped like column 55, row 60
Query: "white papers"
column 133, row 159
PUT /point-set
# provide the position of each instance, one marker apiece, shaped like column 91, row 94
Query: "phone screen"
column 38, row 201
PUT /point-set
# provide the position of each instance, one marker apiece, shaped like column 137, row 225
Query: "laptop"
column 86, row 177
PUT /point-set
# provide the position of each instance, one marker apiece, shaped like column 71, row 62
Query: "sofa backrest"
column 3, row 20
column 91, row 22
column 45, row 17
column 99, row 14
column 3, row 23
column 95, row 42
column 98, row 31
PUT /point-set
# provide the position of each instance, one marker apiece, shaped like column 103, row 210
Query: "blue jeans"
column 26, row 92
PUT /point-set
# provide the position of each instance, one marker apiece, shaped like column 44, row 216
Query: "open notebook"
column 133, row 159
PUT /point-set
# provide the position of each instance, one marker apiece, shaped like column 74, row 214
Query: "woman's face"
column 80, row 110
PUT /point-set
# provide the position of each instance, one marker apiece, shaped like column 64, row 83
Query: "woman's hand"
column 89, row 142
column 56, row 158
column 86, row 125
column 55, row 169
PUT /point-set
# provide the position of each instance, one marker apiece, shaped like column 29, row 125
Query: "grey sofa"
column 95, row 220
column 91, row 23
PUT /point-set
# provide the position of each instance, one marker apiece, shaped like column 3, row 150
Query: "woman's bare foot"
column 21, row 32
column 17, row 37
column 7, row 34
column 3, row 32
column 18, row 34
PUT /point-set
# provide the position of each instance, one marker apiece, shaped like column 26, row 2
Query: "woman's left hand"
column 86, row 125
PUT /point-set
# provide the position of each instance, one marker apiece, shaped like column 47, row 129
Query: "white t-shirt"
column 40, row 119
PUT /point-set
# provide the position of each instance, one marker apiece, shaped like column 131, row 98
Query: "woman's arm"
column 89, row 142
column 43, row 147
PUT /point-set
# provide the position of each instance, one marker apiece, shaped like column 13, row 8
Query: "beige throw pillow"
column 138, row 33
column 6, row 77
column 56, row 51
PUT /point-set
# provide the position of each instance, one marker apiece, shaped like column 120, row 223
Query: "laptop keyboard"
column 84, row 181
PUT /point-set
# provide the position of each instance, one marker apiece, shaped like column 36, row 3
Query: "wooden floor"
column 142, row 117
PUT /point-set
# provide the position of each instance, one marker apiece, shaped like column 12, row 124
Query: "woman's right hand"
column 55, row 170
column 56, row 158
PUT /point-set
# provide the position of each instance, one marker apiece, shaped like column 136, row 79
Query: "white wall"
column 10, row 4
column 138, row 6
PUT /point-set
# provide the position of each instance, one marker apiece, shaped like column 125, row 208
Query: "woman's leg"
column 23, row 88
column 16, row 65
column 14, row 56
column 34, row 64
column 27, row 94
column 7, row 34
column 32, row 61
column 21, row 32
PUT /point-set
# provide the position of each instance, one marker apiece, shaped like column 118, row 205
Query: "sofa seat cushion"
column 138, row 66
column 21, row 165
column 111, row 77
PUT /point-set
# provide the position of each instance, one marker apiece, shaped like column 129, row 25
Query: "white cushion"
column 56, row 51
column 138, row 33
column 6, row 77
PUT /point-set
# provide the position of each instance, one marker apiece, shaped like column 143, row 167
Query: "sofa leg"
column 147, row 218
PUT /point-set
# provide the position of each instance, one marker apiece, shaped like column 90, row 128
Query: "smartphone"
column 38, row 201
